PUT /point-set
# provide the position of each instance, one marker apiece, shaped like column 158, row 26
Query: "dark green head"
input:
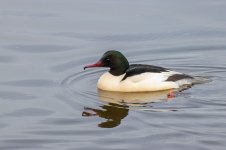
column 115, row 60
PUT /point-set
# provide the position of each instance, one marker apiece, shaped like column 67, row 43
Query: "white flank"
column 139, row 83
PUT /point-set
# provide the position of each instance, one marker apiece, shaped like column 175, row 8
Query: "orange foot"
column 171, row 95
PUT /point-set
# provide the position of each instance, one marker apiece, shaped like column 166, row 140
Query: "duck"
column 125, row 77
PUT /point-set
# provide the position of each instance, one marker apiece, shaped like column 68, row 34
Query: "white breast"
column 137, row 83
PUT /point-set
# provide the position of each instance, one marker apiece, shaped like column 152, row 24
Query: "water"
column 48, row 102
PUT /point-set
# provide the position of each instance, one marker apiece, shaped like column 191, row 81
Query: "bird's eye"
column 107, row 60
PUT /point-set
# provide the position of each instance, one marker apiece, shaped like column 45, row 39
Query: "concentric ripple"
column 83, row 84
column 87, row 81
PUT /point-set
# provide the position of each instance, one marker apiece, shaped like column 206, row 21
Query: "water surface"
column 48, row 102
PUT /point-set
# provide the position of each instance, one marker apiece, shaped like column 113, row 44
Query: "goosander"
column 123, row 77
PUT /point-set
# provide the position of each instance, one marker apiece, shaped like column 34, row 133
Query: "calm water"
column 48, row 102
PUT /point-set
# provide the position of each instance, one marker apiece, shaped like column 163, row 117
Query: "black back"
column 136, row 69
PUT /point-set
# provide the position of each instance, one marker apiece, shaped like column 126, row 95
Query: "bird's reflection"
column 116, row 105
column 114, row 113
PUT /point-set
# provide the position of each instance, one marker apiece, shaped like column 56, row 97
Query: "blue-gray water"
column 48, row 102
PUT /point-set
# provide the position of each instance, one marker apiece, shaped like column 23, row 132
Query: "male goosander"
column 123, row 77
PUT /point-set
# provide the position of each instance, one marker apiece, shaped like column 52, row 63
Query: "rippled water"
column 49, row 102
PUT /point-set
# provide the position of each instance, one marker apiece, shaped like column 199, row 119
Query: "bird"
column 123, row 77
